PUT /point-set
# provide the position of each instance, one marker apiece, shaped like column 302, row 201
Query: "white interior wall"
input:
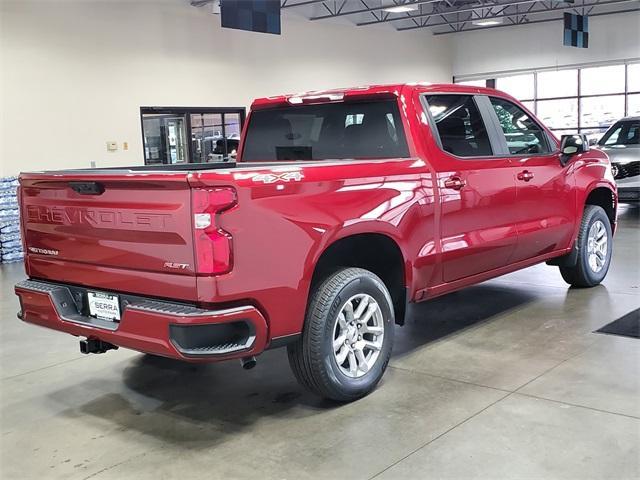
column 74, row 73
column 611, row 37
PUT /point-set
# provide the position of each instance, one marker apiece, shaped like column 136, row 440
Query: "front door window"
column 522, row 133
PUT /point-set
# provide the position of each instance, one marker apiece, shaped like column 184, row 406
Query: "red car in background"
column 344, row 206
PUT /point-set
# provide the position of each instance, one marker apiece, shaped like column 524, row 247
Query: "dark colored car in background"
column 621, row 142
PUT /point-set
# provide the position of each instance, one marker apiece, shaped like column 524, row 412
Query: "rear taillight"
column 213, row 245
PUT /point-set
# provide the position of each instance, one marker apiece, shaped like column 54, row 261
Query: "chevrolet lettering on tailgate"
column 96, row 218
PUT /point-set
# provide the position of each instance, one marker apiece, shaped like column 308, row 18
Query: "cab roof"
column 387, row 90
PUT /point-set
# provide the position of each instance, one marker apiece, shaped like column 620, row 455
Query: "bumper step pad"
column 171, row 329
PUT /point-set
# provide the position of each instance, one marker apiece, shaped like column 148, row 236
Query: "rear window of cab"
column 348, row 130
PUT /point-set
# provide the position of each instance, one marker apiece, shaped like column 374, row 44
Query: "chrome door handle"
column 525, row 176
column 455, row 183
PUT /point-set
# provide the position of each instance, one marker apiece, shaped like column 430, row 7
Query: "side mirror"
column 593, row 142
column 571, row 145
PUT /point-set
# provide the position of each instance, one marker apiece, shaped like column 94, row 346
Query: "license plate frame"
column 105, row 306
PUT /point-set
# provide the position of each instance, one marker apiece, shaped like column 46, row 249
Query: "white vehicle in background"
column 622, row 144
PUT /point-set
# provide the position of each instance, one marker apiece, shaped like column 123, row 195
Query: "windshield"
column 625, row 132
column 326, row 131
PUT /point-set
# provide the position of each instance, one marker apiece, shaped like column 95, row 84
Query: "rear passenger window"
column 460, row 126
column 523, row 134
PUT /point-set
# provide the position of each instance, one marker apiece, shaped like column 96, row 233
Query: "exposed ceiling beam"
column 507, row 15
column 302, row 4
column 421, row 19
column 557, row 19
column 408, row 3
column 436, row 11
column 285, row 3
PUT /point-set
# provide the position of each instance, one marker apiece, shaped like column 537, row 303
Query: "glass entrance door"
column 175, row 132
column 164, row 139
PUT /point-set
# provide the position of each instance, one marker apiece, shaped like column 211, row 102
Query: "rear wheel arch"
column 375, row 252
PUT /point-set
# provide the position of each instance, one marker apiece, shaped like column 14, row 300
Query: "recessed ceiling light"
column 487, row 22
column 400, row 9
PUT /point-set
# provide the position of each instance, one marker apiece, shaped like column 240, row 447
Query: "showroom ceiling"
column 447, row 16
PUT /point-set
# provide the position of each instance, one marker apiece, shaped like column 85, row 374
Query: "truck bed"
column 165, row 168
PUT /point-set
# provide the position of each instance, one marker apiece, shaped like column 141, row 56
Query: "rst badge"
column 176, row 266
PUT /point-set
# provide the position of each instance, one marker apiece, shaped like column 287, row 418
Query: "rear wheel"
column 347, row 338
column 594, row 249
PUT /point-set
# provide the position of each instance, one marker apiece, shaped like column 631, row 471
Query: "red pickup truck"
column 343, row 208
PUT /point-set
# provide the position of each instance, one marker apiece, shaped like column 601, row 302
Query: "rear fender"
column 359, row 228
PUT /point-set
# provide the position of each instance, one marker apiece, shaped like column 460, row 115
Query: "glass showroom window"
column 559, row 114
column 601, row 112
column 633, row 78
column 599, row 108
column 633, row 89
column 633, row 104
column 557, row 84
column 521, row 87
column 207, row 140
column 530, row 105
column 586, row 100
column 190, row 135
column 557, row 99
column 473, row 83
column 602, row 80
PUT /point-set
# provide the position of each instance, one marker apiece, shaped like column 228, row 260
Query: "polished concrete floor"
column 502, row 380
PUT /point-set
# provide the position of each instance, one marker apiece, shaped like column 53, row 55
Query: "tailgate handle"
column 87, row 188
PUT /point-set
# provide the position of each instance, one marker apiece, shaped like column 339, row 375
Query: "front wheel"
column 347, row 338
column 594, row 245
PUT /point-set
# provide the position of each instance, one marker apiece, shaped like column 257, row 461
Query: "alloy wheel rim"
column 357, row 335
column 597, row 246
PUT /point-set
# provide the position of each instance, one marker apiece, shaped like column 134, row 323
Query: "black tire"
column 312, row 357
column 581, row 274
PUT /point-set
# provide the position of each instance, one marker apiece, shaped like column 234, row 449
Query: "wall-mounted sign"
column 576, row 30
column 252, row 15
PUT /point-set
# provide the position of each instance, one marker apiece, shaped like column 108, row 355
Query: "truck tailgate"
column 130, row 231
